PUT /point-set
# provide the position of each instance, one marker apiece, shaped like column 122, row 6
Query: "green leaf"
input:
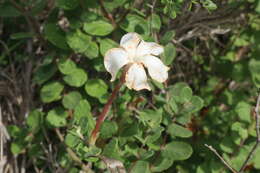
column 186, row 94
column 254, row 67
column 256, row 159
column 99, row 28
column 208, row 4
column 227, row 145
column 161, row 163
column 71, row 140
column 106, row 44
column 51, row 92
column 130, row 129
column 21, row 35
column 146, row 154
column 173, row 105
column 194, row 105
column 38, row 7
column 257, row 7
column 71, row 100
column 96, row 88
column 66, row 66
column 77, row 78
column 82, row 43
column 151, row 117
column 83, row 117
column 108, row 129
column 34, row 120
column 14, row 131
column 140, row 167
column 55, row 35
column 155, row 135
column 78, row 41
column 155, row 21
column 240, row 156
column 181, row 92
column 239, row 132
column 176, row 130
column 57, row 117
column 243, row 110
column 167, row 37
column 112, row 150
column 17, row 147
column 114, row 4
column 44, row 73
column 92, row 51
column 177, row 150
column 90, row 152
column 7, row 10
column 67, row 5
column 169, row 54
column 82, row 109
column 135, row 23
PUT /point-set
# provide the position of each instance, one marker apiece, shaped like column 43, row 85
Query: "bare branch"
column 221, row 158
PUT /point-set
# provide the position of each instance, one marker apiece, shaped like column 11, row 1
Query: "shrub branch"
column 221, row 158
column 102, row 116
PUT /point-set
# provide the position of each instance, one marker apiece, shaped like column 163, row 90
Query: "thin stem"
column 221, row 158
column 257, row 126
column 73, row 155
column 108, row 15
column 102, row 116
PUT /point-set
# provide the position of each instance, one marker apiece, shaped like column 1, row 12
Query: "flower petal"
column 156, row 69
column 149, row 48
column 115, row 59
column 136, row 77
column 130, row 42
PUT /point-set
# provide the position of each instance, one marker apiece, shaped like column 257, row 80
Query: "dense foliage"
column 53, row 85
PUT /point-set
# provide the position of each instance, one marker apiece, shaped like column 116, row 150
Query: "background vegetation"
column 53, row 85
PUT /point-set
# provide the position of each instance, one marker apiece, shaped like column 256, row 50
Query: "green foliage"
column 7, row 10
column 67, row 5
column 57, row 117
column 135, row 23
column 169, row 54
column 71, row 100
column 254, row 66
column 82, row 43
column 55, row 35
column 51, row 92
column 77, row 78
column 177, row 151
column 54, row 85
column 176, row 130
column 96, row 88
column 99, row 28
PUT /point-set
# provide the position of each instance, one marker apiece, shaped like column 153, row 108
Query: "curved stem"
column 102, row 116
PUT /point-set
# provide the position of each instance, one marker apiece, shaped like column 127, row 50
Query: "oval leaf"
column 99, row 28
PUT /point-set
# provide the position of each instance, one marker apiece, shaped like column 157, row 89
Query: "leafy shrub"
column 54, row 85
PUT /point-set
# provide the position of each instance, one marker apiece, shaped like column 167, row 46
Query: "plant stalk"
column 102, row 116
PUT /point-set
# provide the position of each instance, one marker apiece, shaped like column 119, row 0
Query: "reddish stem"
column 108, row 15
column 102, row 116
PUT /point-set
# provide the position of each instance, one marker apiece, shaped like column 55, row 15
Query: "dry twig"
column 221, row 158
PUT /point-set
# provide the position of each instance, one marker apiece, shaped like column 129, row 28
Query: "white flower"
column 136, row 53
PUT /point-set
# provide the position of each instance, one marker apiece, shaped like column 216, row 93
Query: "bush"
column 54, row 86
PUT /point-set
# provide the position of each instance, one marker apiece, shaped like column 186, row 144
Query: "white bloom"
column 136, row 53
